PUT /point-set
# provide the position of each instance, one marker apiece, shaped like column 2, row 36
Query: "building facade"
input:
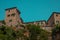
column 12, row 17
column 54, row 19
column 41, row 23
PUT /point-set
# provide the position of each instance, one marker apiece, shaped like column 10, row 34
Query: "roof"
column 10, row 8
column 13, row 8
column 41, row 21
column 28, row 22
column 52, row 15
column 35, row 21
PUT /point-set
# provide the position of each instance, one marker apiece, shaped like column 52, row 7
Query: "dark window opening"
column 10, row 20
column 16, row 25
column 47, row 23
column 12, row 14
column 52, row 23
column 41, row 22
column 8, row 15
column 57, row 22
column 57, row 15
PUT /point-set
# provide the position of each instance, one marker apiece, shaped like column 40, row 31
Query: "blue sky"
column 31, row 10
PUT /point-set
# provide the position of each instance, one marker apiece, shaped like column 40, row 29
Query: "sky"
column 31, row 10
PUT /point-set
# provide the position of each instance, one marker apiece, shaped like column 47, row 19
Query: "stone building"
column 52, row 22
column 12, row 17
column 54, row 19
column 41, row 23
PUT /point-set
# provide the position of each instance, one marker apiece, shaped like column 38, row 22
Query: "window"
column 8, row 15
column 52, row 22
column 56, row 15
column 57, row 22
column 10, row 20
column 47, row 23
column 16, row 25
column 12, row 14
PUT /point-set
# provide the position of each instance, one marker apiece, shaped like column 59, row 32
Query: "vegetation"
column 55, row 31
column 3, row 22
column 7, row 33
column 35, row 33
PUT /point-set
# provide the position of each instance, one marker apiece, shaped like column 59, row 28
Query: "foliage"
column 55, row 30
column 36, row 33
column 7, row 33
column 3, row 22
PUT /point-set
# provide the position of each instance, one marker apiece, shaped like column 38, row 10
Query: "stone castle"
column 12, row 18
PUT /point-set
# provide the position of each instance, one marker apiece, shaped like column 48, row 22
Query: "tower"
column 54, row 19
column 12, row 17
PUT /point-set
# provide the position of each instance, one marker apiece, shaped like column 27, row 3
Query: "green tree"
column 36, row 33
column 6, row 33
column 55, row 31
column 44, row 35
